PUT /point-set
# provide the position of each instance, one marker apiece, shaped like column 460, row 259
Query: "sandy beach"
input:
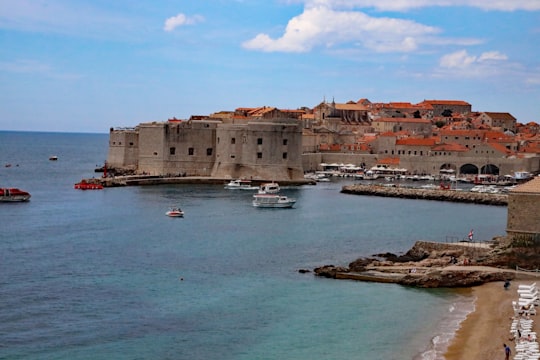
column 483, row 333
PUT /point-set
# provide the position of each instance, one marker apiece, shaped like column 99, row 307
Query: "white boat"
column 522, row 175
column 269, row 188
column 240, row 184
column 264, row 200
column 175, row 212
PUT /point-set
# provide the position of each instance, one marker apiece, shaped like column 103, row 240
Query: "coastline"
column 484, row 331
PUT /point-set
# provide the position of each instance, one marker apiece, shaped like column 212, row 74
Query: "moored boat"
column 240, row 184
column 269, row 188
column 13, row 195
column 84, row 185
column 175, row 212
column 272, row 201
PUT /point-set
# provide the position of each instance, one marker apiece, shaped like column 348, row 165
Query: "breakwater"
column 427, row 194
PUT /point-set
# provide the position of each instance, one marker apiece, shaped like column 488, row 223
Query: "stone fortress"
column 258, row 150
column 267, row 143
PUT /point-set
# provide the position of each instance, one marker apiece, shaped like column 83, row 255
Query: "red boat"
column 83, row 185
column 13, row 195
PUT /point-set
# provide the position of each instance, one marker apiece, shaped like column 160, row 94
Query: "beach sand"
column 485, row 330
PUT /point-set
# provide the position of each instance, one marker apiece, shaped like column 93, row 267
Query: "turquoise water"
column 105, row 274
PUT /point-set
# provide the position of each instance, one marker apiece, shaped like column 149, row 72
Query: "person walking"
column 507, row 352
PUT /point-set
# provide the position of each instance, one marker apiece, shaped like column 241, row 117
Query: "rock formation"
column 431, row 264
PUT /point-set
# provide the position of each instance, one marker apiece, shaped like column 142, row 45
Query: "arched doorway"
column 468, row 169
column 489, row 169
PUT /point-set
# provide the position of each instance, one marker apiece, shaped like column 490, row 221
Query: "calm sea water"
column 106, row 275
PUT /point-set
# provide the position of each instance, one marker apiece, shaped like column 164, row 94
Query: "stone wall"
column 259, row 150
column 523, row 214
column 469, row 250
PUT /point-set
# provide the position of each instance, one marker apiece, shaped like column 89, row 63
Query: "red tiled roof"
column 416, row 141
column 500, row 115
column 446, row 102
column 500, row 148
column 353, row 107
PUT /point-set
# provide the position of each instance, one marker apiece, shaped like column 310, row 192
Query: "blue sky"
column 88, row 65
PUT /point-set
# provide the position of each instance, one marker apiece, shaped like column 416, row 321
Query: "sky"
column 89, row 65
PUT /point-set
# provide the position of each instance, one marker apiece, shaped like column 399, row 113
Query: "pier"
column 427, row 194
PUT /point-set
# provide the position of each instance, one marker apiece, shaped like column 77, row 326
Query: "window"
column 131, row 144
column 259, row 155
column 259, row 141
column 172, row 150
column 285, row 141
column 209, row 152
column 233, row 141
column 284, row 155
column 191, row 151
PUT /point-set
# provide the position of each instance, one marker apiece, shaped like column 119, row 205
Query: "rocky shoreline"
column 427, row 194
column 432, row 265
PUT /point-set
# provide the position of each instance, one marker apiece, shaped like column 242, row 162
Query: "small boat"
column 263, row 200
column 13, row 195
column 84, row 185
column 53, row 158
column 240, row 184
column 269, row 188
column 175, row 212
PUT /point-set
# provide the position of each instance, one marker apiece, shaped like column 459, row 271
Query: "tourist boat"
column 84, row 185
column 269, row 188
column 13, row 195
column 175, row 212
column 263, row 200
column 240, row 184
column 53, row 158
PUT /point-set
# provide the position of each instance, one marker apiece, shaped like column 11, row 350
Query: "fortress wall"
column 151, row 148
column 261, row 150
column 123, row 149
column 190, row 148
column 523, row 213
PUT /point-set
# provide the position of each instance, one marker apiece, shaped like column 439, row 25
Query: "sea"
column 104, row 274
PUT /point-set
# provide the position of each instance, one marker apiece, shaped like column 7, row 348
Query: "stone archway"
column 468, row 169
column 489, row 169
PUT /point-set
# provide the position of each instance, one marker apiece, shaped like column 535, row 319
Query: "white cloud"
column 462, row 59
column 181, row 20
column 403, row 5
column 492, row 55
column 457, row 59
column 465, row 65
column 322, row 26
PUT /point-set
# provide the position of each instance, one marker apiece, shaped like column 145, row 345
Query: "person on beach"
column 507, row 351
